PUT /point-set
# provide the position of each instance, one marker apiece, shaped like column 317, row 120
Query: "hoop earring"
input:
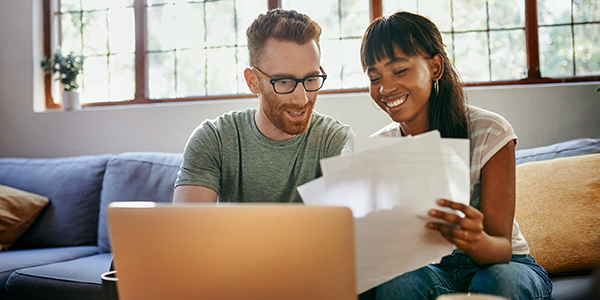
column 436, row 87
column 375, row 105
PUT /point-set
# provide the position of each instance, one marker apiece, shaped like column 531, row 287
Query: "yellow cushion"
column 558, row 211
column 18, row 210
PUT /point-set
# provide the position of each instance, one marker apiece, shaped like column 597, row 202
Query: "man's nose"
column 300, row 95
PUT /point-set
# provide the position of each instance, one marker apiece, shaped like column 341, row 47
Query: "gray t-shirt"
column 230, row 156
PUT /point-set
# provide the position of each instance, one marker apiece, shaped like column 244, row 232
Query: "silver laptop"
column 243, row 251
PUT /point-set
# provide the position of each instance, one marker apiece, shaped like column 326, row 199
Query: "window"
column 148, row 51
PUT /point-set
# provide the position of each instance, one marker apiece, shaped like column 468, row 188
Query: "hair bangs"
column 383, row 37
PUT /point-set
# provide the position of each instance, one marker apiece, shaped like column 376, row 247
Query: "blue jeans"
column 522, row 278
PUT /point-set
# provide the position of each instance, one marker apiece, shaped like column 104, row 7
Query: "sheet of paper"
column 390, row 186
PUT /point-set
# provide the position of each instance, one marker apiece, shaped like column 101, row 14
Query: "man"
column 263, row 154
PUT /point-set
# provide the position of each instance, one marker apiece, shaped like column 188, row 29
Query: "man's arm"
column 193, row 194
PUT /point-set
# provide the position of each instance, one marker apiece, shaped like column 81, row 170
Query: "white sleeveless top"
column 488, row 133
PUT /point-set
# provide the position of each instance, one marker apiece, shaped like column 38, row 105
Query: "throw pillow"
column 18, row 210
column 558, row 211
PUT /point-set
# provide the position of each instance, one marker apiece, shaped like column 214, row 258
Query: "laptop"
column 232, row 251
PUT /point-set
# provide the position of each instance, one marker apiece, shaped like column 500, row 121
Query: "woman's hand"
column 465, row 232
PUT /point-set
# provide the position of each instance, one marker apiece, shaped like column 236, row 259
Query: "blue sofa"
column 63, row 253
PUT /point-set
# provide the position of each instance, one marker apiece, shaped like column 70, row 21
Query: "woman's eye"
column 373, row 80
column 399, row 72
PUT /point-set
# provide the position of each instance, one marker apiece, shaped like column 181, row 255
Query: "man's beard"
column 277, row 115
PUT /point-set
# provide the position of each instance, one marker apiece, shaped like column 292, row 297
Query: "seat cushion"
column 72, row 184
column 136, row 176
column 572, row 287
column 19, row 259
column 75, row 279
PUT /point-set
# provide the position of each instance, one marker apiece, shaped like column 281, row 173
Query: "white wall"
column 541, row 114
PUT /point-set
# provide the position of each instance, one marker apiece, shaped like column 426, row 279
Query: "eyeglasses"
column 311, row 83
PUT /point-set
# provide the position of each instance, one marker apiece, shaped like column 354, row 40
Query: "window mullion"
column 141, row 66
column 376, row 9
column 532, row 40
column 273, row 4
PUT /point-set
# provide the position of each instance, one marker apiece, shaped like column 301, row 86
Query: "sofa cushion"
column 558, row 210
column 18, row 210
column 74, row 279
column 18, row 259
column 136, row 176
column 73, row 186
column 565, row 149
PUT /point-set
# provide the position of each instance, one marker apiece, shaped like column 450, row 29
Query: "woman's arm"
column 485, row 236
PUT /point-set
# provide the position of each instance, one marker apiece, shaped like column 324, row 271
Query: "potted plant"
column 68, row 67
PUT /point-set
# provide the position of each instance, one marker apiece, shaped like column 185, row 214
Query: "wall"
column 540, row 114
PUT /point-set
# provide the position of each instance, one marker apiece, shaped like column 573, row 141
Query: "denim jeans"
column 522, row 278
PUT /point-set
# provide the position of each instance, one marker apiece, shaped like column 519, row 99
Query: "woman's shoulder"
column 480, row 118
column 390, row 130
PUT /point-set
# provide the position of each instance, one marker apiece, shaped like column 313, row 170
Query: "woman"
column 413, row 80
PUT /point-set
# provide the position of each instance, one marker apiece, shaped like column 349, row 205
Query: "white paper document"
column 390, row 184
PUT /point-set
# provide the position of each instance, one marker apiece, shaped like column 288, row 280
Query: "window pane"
column 69, row 5
column 556, row 52
column 95, row 79
column 438, row 11
column 246, row 12
column 95, row 33
column 324, row 12
column 220, row 24
column 355, row 18
column 508, row 60
column 121, row 30
column 243, row 63
column 341, row 62
column 221, row 71
column 470, row 15
column 191, row 80
column 71, row 33
column 189, row 26
column 104, row 4
column 554, row 12
column 161, row 75
column 389, row 7
column 161, row 25
column 122, row 76
column 586, row 10
column 587, row 52
column 507, row 14
column 331, row 61
column 448, row 42
column 471, row 52
column 352, row 74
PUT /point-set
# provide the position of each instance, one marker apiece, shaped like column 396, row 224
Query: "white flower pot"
column 70, row 100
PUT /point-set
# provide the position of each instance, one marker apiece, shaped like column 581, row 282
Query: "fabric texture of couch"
column 66, row 248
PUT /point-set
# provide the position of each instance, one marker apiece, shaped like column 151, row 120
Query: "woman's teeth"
column 395, row 103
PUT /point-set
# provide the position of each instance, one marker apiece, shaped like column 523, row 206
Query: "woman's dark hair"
column 415, row 35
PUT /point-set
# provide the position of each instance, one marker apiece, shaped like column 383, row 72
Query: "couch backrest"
column 136, row 176
column 564, row 149
column 73, row 186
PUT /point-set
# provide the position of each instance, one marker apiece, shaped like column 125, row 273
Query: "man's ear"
column 437, row 66
column 251, row 80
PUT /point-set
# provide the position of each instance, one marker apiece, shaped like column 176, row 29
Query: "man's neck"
column 269, row 130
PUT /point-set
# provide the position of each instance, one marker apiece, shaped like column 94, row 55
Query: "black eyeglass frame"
column 274, row 80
